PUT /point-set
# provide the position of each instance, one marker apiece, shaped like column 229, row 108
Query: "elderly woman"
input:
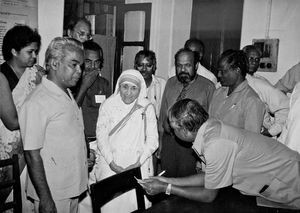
column 126, row 135
column 236, row 103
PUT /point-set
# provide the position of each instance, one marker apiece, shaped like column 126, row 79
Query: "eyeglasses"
column 252, row 59
column 82, row 35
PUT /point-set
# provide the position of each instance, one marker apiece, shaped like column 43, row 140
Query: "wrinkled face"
column 185, row 67
column 145, row 66
column 69, row 68
column 26, row 57
column 253, row 59
column 227, row 76
column 180, row 132
column 92, row 60
column 81, row 32
column 129, row 92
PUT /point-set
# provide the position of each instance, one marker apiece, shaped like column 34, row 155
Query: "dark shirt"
column 89, row 106
column 201, row 90
column 10, row 75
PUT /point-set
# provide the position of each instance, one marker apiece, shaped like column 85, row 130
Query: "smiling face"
column 129, row 92
column 185, row 67
column 68, row 69
column 26, row 57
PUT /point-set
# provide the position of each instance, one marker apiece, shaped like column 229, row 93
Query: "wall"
column 284, row 24
column 170, row 28
column 50, row 23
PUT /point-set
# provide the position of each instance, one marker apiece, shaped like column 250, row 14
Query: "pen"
column 163, row 172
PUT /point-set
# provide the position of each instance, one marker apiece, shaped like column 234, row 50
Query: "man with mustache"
column 176, row 158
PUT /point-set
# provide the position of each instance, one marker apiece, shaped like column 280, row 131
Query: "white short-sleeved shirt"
column 51, row 121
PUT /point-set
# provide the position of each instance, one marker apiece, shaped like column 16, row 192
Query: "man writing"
column 52, row 132
column 254, row 164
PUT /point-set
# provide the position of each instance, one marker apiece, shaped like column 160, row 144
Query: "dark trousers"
column 177, row 157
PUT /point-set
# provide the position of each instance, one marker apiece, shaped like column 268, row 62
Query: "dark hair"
column 249, row 48
column 17, row 38
column 195, row 41
column 91, row 45
column 149, row 54
column 235, row 59
column 72, row 23
column 189, row 114
column 182, row 50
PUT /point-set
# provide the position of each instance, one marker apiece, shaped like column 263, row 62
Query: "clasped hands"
column 118, row 169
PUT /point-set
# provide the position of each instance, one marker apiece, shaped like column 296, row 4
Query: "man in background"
column 198, row 47
column 277, row 103
column 79, row 29
column 177, row 158
column 145, row 62
column 94, row 89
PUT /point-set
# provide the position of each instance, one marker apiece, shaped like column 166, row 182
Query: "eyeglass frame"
column 83, row 34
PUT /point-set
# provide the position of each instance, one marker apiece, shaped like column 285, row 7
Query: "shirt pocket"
column 278, row 191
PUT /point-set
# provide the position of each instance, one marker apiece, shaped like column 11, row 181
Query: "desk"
column 228, row 201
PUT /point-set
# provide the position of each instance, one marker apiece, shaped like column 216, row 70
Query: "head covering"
column 134, row 77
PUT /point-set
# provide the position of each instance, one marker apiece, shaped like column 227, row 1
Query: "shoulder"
column 101, row 79
column 202, row 81
column 159, row 79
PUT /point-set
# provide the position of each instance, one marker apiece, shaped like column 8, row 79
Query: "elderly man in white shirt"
column 197, row 46
column 277, row 103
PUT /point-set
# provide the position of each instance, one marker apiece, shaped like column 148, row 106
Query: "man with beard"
column 176, row 158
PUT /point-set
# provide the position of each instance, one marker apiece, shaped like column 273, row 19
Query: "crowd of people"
column 205, row 131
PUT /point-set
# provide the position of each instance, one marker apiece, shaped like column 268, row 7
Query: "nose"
column 219, row 74
column 34, row 55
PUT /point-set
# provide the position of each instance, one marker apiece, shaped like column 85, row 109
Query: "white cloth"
column 291, row 132
column 127, row 144
column 155, row 92
column 8, row 139
column 276, row 102
column 200, row 71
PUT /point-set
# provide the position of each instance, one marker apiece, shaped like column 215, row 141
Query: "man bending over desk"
column 252, row 163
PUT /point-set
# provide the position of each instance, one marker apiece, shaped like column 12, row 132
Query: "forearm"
column 189, row 181
column 37, row 174
column 195, row 193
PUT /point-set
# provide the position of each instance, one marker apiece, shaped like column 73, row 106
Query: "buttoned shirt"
column 155, row 92
column 51, row 121
column 242, row 108
column 276, row 103
column 252, row 163
column 95, row 95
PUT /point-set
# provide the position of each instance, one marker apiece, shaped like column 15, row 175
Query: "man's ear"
column 14, row 52
column 69, row 32
column 196, row 66
column 54, row 64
